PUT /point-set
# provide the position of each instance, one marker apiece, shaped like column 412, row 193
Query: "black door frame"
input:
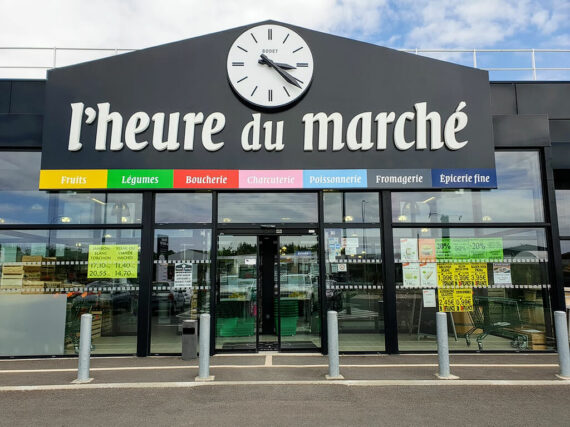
column 260, row 230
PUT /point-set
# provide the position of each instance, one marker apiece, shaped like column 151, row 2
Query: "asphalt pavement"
column 287, row 389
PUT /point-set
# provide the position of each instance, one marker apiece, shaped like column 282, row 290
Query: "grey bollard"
column 443, row 347
column 332, row 329
column 562, row 343
column 204, row 340
column 84, row 350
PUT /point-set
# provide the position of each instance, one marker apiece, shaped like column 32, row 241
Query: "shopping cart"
column 499, row 317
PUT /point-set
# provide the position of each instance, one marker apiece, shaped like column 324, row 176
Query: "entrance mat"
column 239, row 346
column 298, row 345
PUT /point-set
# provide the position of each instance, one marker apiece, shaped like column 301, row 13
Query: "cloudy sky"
column 397, row 24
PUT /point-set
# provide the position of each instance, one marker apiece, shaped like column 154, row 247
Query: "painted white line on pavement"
column 269, row 364
column 361, row 383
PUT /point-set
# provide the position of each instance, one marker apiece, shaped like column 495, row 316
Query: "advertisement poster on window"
column 411, row 274
column 409, row 249
column 183, row 275
column 455, row 300
column 502, row 273
column 429, row 298
column 426, row 248
column 112, row 261
column 428, row 274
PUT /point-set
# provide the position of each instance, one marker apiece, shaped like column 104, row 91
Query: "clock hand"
column 280, row 65
column 288, row 77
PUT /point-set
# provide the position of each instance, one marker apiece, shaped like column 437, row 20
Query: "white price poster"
column 411, row 274
column 409, row 249
column 183, row 275
column 502, row 273
column 429, row 298
column 428, row 274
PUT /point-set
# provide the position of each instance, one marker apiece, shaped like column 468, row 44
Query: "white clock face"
column 270, row 66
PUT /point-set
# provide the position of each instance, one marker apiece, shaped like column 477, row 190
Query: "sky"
column 403, row 24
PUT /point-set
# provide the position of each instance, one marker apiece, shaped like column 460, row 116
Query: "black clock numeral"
column 286, row 91
column 237, row 64
column 269, row 34
column 254, row 39
column 298, row 49
column 239, row 47
column 242, row 79
column 302, row 64
column 286, row 37
column 254, row 89
column 270, row 95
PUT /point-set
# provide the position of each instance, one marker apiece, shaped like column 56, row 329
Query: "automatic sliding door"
column 298, row 308
column 236, row 293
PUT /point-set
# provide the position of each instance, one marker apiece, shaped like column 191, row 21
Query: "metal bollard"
column 562, row 344
column 332, row 329
column 204, row 340
column 84, row 350
column 443, row 347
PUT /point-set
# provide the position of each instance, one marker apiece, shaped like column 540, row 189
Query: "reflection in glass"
column 181, row 284
column 267, row 207
column 96, row 208
column 501, row 278
column 236, row 293
column 351, row 207
column 298, row 305
column 354, row 288
column 183, row 208
column 48, row 281
column 20, row 202
column 518, row 197
column 563, row 209
column 565, row 249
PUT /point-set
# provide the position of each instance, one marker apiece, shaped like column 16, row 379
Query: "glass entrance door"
column 236, row 293
column 299, row 307
column 267, row 292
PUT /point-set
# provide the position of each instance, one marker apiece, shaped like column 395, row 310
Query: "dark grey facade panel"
column 21, row 130
column 552, row 99
column 560, row 155
column 5, row 88
column 503, row 99
column 560, row 130
column 521, row 131
column 27, row 97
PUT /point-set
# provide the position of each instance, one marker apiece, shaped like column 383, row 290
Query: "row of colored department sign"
column 267, row 179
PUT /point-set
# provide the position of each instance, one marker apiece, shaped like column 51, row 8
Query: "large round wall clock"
column 270, row 66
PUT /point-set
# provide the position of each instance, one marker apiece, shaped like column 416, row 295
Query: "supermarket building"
column 269, row 173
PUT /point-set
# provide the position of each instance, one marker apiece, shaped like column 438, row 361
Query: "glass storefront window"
column 20, row 202
column 183, row 208
column 48, row 280
column 181, row 284
column 565, row 249
column 563, row 208
column 267, row 208
column 493, row 282
column 518, row 197
column 351, row 207
column 96, row 208
column 354, row 286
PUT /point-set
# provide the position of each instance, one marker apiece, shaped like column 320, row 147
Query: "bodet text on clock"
column 364, row 131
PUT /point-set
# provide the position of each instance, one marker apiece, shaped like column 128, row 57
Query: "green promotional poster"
column 113, row 261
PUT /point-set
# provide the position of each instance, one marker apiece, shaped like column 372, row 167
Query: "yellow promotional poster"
column 113, row 261
column 462, row 275
column 455, row 300
column 445, row 275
